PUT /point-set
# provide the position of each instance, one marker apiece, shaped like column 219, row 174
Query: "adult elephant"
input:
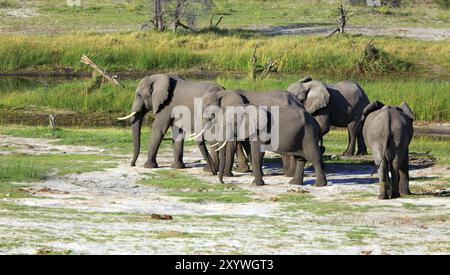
column 389, row 131
column 272, row 98
column 339, row 105
column 161, row 93
column 290, row 130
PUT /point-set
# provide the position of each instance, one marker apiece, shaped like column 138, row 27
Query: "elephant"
column 271, row 98
column 161, row 94
column 388, row 131
column 339, row 105
column 299, row 137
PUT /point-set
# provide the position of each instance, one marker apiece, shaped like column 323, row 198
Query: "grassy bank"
column 153, row 51
column 428, row 98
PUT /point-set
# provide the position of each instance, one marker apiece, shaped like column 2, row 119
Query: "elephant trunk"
column 136, row 125
column 222, row 161
column 136, row 131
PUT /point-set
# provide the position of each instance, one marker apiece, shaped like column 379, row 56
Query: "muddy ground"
column 113, row 212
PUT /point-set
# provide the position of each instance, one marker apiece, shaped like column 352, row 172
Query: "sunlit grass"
column 152, row 51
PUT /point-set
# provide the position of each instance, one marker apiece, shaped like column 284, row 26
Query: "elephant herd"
column 290, row 122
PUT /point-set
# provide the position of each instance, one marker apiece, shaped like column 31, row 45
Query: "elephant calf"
column 388, row 131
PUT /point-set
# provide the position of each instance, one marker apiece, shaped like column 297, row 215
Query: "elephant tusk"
column 215, row 144
column 199, row 134
column 127, row 117
column 221, row 146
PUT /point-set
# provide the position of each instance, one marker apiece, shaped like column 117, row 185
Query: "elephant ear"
column 372, row 107
column 406, row 110
column 318, row 96
column 160, row 90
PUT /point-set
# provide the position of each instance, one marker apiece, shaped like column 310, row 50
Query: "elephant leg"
column 362, row 148
column 292, row 167
column 285, row 159
column 242, row 160
column 214, row 159
column 321, row 179
column 383, row 174
column 321, row 147
column 207, row 156
column 177, row 146
column 159, row 129
column 229, row 158
column 394, row 167
column 313, row 155
column 299, row 172
column 351, row 127
column 257, row 163
column 404, row 175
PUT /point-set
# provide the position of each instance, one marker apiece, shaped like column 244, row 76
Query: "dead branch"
column 52, row 121
column 178, row 23
column 214, row 26
column 259, row 72
column 342, row 20
column 112, row 79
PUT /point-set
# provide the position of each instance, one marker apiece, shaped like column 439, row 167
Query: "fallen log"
column 112, row 79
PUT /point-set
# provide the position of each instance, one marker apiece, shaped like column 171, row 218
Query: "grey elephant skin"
column 271, row 98
column 339, row 105
column 161, row 93
column 388, row 131
column 299, row 138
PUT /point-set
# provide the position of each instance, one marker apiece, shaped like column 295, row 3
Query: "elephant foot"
column 395, row 195
column 148, row 164
column 320, row 182
column 348, row 154
column 243, row 168
column 178, row 165
column 228, row 174
column 207, row 168
column 405, row 192
column 133, row 164
column 258, row 182
column 363, row 153
column 295, row 181
column 383, row 197
column 289, row 173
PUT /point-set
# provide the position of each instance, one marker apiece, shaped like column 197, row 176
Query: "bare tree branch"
column 112, row 79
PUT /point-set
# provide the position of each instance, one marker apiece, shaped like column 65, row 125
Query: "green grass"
column 359, row 235
column 305, row 202
column 192, row 189
column 154, row 51
column 23, row 167
column 26, row 168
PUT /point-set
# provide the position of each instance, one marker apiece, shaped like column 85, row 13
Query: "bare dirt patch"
column 112, row 212
column 416, row 33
